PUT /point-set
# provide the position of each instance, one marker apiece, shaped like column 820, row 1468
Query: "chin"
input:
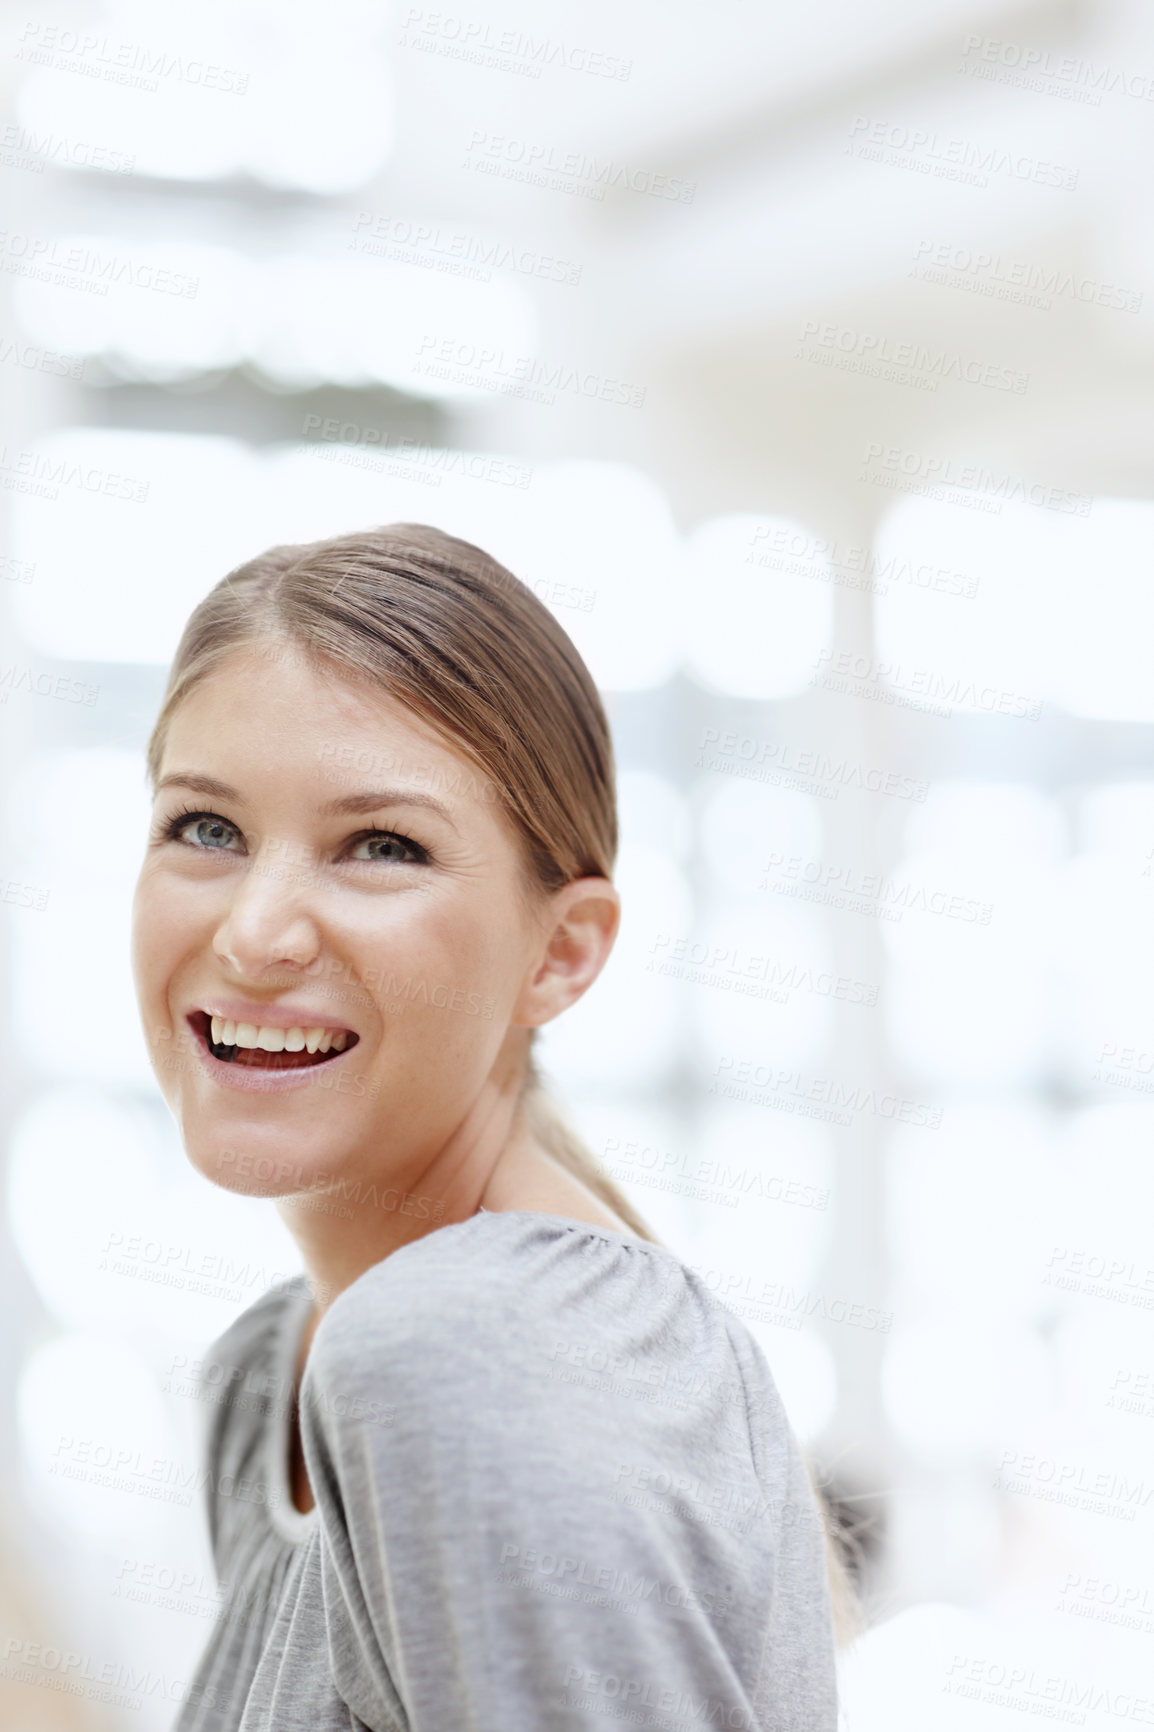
column 258, row 1158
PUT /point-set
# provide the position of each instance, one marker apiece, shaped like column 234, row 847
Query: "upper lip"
column 270, row 1015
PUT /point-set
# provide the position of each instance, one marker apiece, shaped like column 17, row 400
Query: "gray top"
column 555, row 1487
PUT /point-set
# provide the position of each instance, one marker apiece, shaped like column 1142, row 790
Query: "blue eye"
column 209, row 833
column 394, row 850
column 204, row 830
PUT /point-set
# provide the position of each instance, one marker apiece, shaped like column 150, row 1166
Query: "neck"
column 370, row 1213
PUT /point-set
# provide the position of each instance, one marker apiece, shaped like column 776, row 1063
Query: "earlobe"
column 578, row 932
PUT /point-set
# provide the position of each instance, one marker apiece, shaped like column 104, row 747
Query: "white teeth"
column 258, row 1036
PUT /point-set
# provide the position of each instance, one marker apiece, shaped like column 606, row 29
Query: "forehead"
column 268, row 711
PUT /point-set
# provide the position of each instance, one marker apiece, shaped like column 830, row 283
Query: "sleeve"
column 230, row 1429
column 240, row 1389
column 502, row 1547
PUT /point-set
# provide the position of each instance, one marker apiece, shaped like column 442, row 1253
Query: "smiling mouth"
column 259, row 1047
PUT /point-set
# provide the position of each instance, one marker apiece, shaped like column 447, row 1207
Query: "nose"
column 270, row 922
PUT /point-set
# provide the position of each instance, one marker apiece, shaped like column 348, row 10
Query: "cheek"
column 148, row 937
column 444, row 954
column 154, row 940
column 461, row 937
column 162, row 928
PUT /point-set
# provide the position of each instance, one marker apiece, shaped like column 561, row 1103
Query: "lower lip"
column 247, row 1079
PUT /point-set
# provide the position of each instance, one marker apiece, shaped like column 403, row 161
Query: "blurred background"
column 801, row 359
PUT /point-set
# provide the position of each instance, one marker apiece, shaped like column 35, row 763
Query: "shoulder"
column 559, row 1322
column 242, row 1380
column 509, row 1274
column 250, row 1339
column 243, row 1377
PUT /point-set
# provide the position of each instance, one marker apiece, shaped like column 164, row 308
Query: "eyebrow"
column 372, row 800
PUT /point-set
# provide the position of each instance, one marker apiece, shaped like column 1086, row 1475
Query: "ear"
column 579, row 926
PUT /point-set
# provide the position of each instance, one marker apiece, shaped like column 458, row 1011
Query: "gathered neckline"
column 291, row 1523
column 295, row 1524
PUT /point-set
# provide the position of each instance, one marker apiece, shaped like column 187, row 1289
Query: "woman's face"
column 321, row 860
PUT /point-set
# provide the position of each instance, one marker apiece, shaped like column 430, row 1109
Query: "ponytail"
column 557, row 1139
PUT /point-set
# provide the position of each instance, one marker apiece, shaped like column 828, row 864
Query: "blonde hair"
column 472, row 651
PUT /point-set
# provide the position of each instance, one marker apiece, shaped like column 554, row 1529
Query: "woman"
column 497, row 1460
